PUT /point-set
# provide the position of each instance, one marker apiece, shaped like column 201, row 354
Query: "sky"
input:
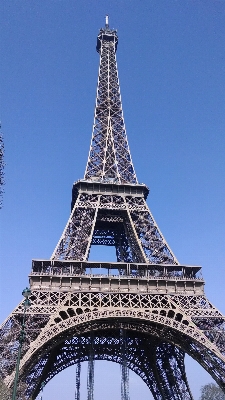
column 171, row 62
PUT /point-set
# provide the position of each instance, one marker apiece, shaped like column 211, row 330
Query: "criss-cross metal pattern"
column 144, row 311
column 58, row 321
column 109, row 157
column 114, row 219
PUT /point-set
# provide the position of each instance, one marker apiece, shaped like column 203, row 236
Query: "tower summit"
column 108, row 205
column 143, row 311
column 109, row 157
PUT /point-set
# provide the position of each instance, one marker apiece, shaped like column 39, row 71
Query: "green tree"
column 211, row 392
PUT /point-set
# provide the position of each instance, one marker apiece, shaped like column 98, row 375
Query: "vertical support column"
column 124, row 368
column 90, row 372
column 77, row 390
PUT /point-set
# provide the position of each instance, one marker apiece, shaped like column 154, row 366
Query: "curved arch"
column 57, row 316
column 140, row 355
column 183, row 325
column 163, row 325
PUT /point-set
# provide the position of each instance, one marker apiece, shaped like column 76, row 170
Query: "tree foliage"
column 211, row 392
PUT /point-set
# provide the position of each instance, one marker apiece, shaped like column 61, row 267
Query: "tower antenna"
column 107, row 21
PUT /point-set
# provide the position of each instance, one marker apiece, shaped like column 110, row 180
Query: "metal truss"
column 144, row 311
column 55, row 317
column 113, row 220
column 109, row 157
column 140, row 354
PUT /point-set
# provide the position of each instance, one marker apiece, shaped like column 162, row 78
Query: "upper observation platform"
column 108, row 35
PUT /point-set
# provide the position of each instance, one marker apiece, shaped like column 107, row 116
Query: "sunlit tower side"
column 144, row 311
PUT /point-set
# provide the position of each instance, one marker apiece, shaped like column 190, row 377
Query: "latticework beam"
column 109, row 157
column 144, row 311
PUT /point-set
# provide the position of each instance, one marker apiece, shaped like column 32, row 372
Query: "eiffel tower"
column 144, row 311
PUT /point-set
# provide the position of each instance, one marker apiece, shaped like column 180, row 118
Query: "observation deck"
column 109, row 188
column 87, row 276
column 108, row 35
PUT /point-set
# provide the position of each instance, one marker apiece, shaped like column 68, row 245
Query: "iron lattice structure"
column 144, row 311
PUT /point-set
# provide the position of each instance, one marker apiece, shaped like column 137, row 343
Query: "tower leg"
column 170, row 372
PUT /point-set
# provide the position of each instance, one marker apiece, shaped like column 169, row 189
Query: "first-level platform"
column 115, row 277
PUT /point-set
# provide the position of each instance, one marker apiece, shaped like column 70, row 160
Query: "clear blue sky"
column 171, row 60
